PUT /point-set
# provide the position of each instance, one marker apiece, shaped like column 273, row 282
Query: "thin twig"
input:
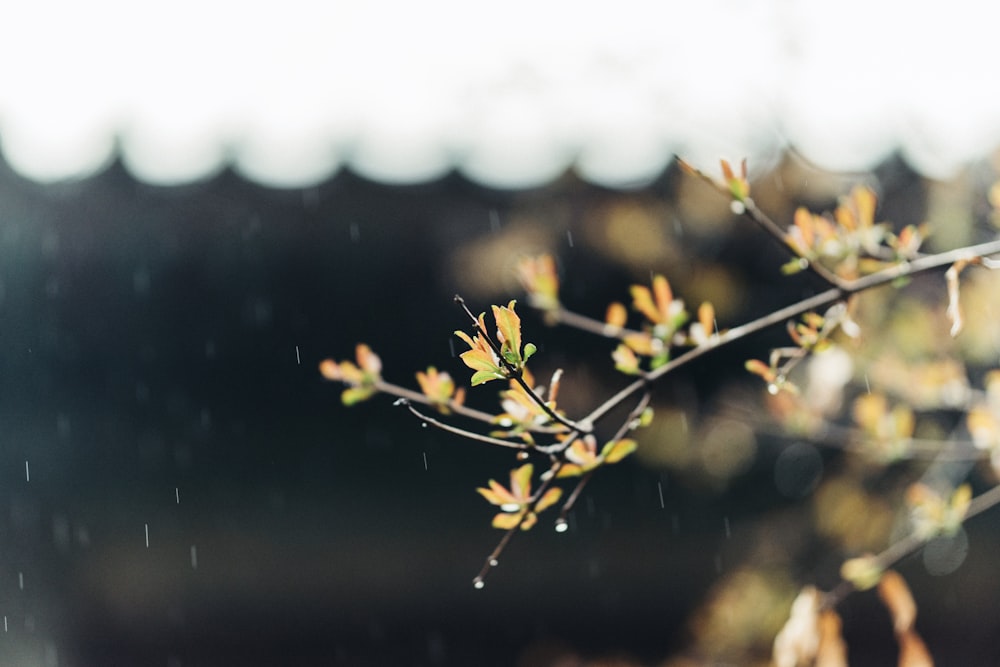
column 471, row 435
column 591, row 325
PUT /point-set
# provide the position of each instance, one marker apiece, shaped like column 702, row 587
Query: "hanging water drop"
column 494, row 562
column 561, row 525
column 478, row 583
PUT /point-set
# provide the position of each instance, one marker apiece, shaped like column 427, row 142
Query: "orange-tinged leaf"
column 616, row 315
column 758, row 367
column 706, row 316
column 865, row 201
column 529, row 520
column 642, row 301
column 368, row 360
column 330, row 370
column 509, row 328
column 805, row 222
column 582, row 451
column 896, row 596
column 664, row 295
column 832, row 650
column 913, row 652
column 539, row 278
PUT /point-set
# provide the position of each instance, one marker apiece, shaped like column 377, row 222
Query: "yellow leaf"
column 616, row 315
column 616, row 451
column 706, row 316
column 520, row 481
column 548, row 499
column 863, row 572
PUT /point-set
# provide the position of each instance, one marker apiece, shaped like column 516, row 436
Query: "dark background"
column 159, row 375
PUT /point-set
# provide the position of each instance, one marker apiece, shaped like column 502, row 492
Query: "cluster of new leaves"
column 663, row 327
column 849, row 242
column 528, row 418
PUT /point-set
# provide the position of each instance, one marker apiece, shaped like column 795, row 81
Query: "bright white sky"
column 510, row 93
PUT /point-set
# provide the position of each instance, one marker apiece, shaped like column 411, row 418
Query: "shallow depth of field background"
column 188, row 225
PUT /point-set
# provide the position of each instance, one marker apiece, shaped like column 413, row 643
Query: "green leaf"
column 616, row 450
column 529, row 349
column 354, row 395
column 479, row 377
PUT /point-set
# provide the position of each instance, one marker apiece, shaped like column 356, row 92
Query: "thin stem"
column 825, row 298
column 571, row 501
column 515, row 373
column 494, row 558
column 591, row 325
column 417, row 397
column 471, row 435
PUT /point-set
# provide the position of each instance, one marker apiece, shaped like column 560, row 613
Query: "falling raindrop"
column 425, row 460
column 725, row 522
column 451, row 347
column 298, row 359
column 194, row 557
column 20, row 580
column 355, row 232
column 177, row 495
column 147, row 535
column 718, row 564
column 27, row 473
column 494, row 220
column 569, row 237
column 659, row 486
column 5, row 623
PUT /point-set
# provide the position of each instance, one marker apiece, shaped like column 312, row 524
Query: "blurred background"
column 199, row 203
